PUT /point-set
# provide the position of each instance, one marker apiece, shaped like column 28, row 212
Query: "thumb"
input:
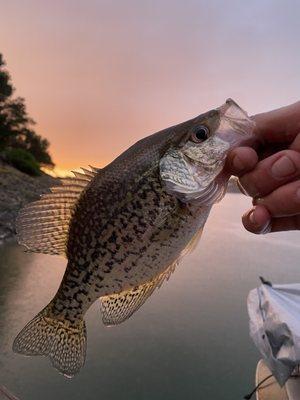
column 278, row 126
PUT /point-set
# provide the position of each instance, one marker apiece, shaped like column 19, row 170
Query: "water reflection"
column 190, row 340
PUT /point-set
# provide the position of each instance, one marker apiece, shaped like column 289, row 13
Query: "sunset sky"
column 99, row 75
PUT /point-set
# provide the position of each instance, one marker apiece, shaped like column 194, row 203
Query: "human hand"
column 270, row 173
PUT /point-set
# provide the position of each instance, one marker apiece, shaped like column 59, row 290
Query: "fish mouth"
column 235, row 124
column 230, row 110
column 196, row 173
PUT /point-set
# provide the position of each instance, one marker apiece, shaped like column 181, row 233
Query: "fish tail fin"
column 64, row 343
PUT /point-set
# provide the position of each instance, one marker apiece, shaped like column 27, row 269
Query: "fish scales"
column 144, row 234
column 125, row 227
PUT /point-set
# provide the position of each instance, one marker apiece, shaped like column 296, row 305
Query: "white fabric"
column 274, row 313
column 293, row 388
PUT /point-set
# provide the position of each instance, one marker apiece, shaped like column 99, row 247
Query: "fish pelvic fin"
column 64, row 343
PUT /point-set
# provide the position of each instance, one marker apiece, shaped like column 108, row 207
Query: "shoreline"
column 18, row 189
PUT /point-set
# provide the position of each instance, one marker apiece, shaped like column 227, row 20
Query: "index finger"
column 278, row 126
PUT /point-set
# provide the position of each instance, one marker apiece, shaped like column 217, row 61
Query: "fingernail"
column 258, row 220
column 283, row 167
column 252, row 217
column 238, row 163
column 267, row 228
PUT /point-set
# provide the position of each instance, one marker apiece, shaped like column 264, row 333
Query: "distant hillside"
column 16, row 190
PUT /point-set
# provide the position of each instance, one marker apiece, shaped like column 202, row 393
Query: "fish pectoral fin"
column 117, row 308
column 43, row 226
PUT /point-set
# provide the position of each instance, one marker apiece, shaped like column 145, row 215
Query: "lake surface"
column 189, row 341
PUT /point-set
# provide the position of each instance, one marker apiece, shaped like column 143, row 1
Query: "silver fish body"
column 125, row 227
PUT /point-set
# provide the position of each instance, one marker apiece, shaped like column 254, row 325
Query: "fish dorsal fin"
column 94, row 169
column 42, row 226
column 116, row 308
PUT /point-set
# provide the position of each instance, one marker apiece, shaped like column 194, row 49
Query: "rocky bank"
column 16, row 190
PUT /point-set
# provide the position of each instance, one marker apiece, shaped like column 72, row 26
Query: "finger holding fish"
column 282, row 202
column 271, row 173
column 241, row 160
column 258, row 220
column 277, row 211
column 274, row 179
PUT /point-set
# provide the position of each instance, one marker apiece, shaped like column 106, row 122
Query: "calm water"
column 189, row 341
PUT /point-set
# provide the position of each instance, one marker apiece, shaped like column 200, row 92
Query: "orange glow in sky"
column 99, row 75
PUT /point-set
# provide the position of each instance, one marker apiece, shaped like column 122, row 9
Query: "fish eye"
column 200, row 134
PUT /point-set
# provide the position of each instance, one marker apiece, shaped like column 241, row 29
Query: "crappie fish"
column 124, row 228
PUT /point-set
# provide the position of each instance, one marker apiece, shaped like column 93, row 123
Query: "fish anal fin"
column 117, row 308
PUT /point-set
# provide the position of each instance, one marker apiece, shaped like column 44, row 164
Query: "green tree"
column 16, row 127
column 6, row 88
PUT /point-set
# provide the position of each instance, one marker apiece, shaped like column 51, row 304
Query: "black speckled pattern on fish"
column 123, row 230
